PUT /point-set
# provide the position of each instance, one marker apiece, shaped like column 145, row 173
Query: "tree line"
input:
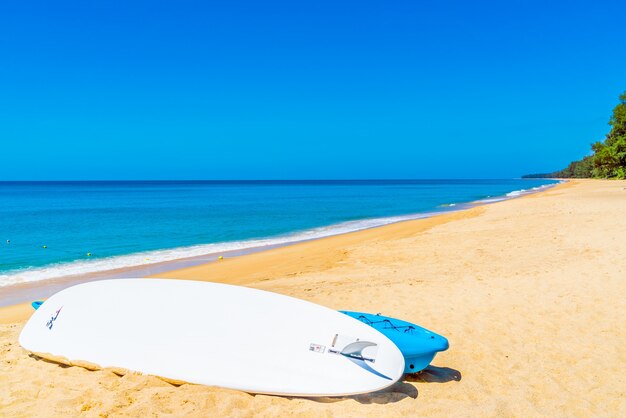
column 608, row 158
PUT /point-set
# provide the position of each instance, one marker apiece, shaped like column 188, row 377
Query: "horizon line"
column 263, row 180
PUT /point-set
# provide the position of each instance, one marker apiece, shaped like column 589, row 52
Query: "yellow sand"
column 530, row 292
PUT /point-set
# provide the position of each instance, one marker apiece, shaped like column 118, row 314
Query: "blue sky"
column 279, row 90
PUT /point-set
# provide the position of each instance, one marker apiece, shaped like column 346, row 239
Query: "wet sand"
column 529, row 292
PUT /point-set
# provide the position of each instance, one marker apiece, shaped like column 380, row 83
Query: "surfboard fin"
column 355, row 349
column 354, row 353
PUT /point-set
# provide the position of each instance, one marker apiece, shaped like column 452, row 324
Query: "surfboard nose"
column 440, row 343
column 429, row 342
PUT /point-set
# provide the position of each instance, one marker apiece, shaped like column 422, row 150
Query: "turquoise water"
column 122, row 224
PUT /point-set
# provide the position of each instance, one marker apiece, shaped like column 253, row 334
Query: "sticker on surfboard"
column 50, row 323
column 317, row 348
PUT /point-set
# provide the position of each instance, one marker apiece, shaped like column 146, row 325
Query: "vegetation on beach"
column 608, row 159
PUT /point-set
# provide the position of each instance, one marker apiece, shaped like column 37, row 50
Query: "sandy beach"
column 529, row 292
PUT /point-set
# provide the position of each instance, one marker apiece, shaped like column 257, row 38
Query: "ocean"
column 55, row 229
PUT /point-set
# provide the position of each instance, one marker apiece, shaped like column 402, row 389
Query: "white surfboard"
column 213, row 334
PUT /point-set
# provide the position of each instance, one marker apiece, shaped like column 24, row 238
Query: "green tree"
column 576, row 169
column 609, row 159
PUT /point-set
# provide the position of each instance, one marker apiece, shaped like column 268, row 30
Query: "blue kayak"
column 418, row 345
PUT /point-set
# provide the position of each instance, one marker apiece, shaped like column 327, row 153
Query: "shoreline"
column 21, row 292
column 527, row 291
column 247, row 267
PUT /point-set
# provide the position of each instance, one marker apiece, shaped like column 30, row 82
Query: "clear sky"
column 304, row 89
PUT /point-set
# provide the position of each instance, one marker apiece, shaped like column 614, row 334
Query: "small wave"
column 516, row 193
column 521, row 192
